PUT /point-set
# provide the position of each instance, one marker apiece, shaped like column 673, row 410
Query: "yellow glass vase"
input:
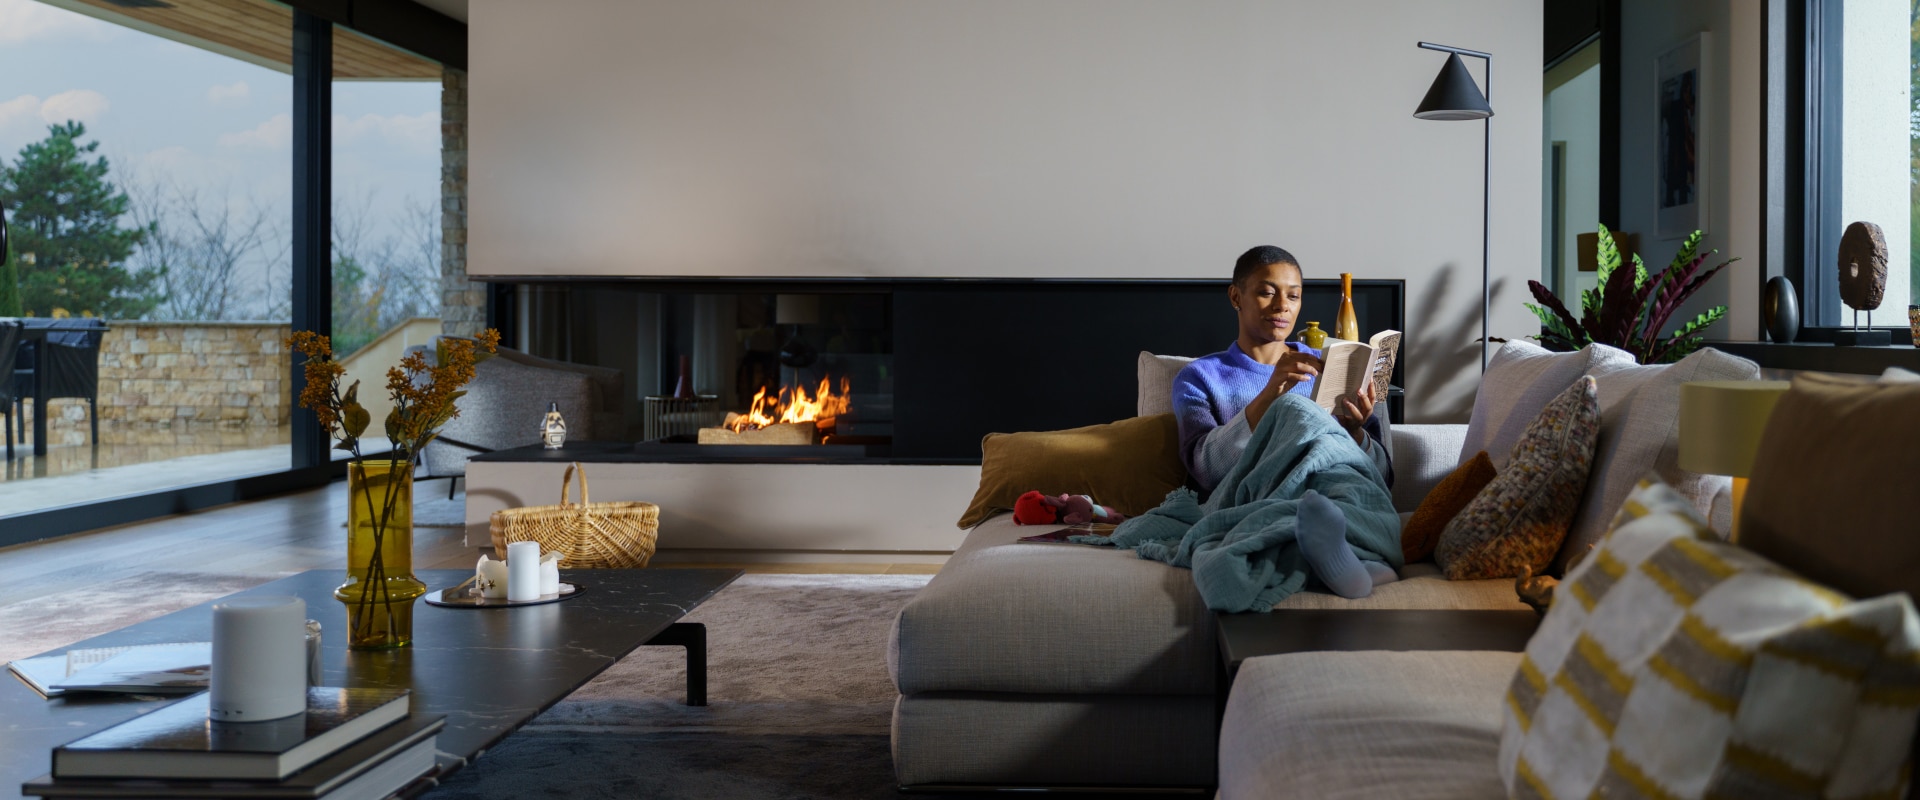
column 1347, row 326
column 380, row 587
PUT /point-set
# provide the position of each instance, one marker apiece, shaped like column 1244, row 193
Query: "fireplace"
column 919, row 370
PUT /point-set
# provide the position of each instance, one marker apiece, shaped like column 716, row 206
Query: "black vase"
column 1781, row 308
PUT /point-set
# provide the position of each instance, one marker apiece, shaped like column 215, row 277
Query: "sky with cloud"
column 165, row 111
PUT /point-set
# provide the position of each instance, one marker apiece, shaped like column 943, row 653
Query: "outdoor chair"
column 72, row 361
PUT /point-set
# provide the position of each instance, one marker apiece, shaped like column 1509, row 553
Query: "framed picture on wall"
column 1680, row 156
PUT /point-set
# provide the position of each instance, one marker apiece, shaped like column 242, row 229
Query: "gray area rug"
column 799, row 706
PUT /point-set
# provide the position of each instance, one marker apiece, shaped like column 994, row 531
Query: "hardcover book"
column 178, row 741
column 374, row 767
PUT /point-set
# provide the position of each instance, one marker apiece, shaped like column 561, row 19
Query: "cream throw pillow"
column 1521, row 380
column 1640, row 434
column 1676, row 665
column 1156, row 374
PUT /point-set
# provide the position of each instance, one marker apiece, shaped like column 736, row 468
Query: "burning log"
column 777, row 433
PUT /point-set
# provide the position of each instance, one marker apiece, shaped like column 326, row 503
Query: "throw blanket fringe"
column 1241, row 543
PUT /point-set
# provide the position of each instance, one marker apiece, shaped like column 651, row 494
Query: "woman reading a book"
column 1220, row 399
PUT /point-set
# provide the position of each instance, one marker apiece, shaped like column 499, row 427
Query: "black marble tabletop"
column 488, row 670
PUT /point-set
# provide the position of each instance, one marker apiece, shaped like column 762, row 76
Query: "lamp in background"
column 1454, row 96
column 1720, row 427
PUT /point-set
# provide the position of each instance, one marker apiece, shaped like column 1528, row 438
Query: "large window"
column 149, row 172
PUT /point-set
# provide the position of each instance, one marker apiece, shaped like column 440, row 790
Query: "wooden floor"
column 292, row 532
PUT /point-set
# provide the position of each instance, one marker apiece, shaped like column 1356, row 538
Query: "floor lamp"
column 1454, row 96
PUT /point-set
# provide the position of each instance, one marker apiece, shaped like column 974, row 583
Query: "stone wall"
column 463, row 309
column 159, row 375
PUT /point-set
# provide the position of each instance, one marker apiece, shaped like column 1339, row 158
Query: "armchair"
column 502, row 409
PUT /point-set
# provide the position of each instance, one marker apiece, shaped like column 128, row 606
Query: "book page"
column 1345, row 367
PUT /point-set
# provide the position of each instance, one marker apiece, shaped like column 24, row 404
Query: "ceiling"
column 456, row 9
column 259, row 32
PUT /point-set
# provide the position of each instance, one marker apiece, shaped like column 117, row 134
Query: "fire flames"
column 792, row 406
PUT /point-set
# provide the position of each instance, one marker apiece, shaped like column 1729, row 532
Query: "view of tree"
column 206, row 252
column 378, row 284
column 69, row 251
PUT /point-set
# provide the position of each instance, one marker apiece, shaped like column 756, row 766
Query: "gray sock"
column 1322, row 530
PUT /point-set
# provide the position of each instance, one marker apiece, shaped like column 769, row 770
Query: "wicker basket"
column 587, row 535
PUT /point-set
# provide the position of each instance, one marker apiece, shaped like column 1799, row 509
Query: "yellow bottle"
column 1313, row 336
column 1348, row 325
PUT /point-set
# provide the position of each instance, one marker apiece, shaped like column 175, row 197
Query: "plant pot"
column 380, row 588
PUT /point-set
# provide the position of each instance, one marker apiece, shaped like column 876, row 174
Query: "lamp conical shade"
column 1454, row 95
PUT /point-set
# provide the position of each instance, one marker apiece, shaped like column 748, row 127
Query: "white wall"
column 1009, row 138
column 1731, row 113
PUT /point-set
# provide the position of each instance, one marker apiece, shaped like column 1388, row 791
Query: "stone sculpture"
column 1863, row 266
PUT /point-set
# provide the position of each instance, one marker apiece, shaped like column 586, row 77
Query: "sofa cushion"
column 1421, row 586
column 1520, row 380
column 1130, row 465
column 1513, row 527
column 1009, row 616
column 1422, row 456
column 1840, row 526
column 1365, row 725
column 1640, row 434
column 1420, row 534
column 1155, row 382
column 1672, row 664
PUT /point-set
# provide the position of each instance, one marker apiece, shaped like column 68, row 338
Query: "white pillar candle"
column 493, row 578
column 550, row 574
column 259, row 659
column 523, row 571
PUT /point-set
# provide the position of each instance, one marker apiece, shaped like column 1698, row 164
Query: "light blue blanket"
column 1240, row 544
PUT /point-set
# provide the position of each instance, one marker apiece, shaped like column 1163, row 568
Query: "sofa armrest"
column 1422, row 455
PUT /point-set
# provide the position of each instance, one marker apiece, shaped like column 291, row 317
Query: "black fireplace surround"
column 968, row 357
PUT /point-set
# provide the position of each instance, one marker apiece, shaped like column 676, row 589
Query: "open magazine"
column 1347, row 367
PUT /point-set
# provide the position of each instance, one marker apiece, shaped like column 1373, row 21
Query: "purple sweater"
column 1210, row 397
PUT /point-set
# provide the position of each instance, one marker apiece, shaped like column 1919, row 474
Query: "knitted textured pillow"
column 1674, row 665
column 1517, row 523
column 1449, row 497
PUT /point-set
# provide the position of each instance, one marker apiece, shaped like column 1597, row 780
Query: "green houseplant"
column 1630, row 308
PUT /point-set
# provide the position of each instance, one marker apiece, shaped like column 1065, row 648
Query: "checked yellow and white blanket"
column 1675, row 665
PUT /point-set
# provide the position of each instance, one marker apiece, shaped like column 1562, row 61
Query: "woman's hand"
column 1293, row 369
column 1353, row 412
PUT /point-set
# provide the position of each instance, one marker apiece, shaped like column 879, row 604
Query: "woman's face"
column 1268, row 302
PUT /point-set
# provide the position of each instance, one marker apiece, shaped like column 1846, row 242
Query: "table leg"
column 693, row 636
column 40, row 401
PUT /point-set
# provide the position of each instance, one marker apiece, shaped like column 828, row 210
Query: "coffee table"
column 488, row 670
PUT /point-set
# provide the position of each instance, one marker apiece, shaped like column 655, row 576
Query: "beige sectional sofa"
column 1051, row 665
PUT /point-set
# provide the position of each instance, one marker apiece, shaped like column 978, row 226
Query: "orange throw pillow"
column 1130, row 465
column 1448, row 498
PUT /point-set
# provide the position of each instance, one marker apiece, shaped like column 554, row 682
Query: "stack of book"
column 350, row 744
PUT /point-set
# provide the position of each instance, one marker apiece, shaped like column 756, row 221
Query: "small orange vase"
column 1348, row 325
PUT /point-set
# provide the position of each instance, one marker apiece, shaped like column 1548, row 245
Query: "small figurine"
column 553, row 429
column 1034, row 508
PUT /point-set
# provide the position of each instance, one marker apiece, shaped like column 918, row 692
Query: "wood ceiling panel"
column 259, row 32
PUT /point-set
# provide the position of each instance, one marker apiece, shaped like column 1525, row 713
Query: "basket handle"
column 566, row 483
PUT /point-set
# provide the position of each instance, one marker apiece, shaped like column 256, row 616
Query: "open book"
column 1346, row 367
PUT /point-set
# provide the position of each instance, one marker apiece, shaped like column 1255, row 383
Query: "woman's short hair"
column 1260, row 258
